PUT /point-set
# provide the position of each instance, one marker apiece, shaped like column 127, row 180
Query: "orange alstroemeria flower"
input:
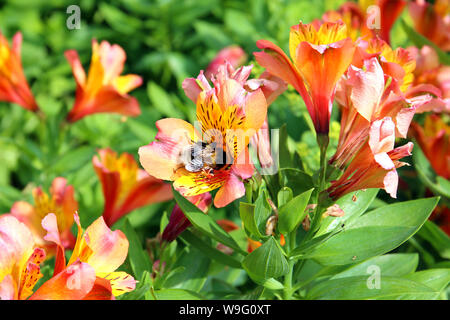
column 434, row 139
column 400, row 66
column 270, row 86
column 216, row 158
column 432, row 21
column 125, row 186
column 374, row 165
column 362, row 18
column 100, row 250
column 20, row 261
column 319, row 58
column 234, row 55
column 61, row 202
column 13, row 84
column 430, row 72
column 365, row 97
column 104, row 89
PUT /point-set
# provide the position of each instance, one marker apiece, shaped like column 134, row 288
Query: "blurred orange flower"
column 361, row 18
column 434, row 139
column 234, row 55
column 432, row 20
column 61, row 202
column 13, row 84
column 125, row 186
column 104, row 89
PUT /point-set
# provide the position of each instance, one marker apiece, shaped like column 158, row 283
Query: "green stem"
column 322, row 140
column 287, row 292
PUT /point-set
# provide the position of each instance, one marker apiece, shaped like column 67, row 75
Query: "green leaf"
column 437, row 279
column 205, row 223
column 194, row 266
column 73, row 160
column 292, row 213
column 273, row 284
column 255, row 216
column 139, row 259
column 162, row 101
column 374, row 233
column 419, row 40
column 177, row 294
column 285, row 155
column 396, row 264
column 266, row 262
column 210, row 251
column 284, row 196
column 353, row 205
column 359, row 288
column 437, row 238
column 427, row 175
column 142, row 288
column 305, row 247
column 295, row 179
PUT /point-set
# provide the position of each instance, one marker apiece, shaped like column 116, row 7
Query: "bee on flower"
column 213, row 154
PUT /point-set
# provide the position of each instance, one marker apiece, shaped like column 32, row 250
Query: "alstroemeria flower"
column 104, row 89
column 374, row 165
column 432, row 21
column 20, row 261
column 125, row 186
column 362, row 18
column 13, row 84
column 234, row 55
column 216, row 158
column 178, row 221
column 100, row 249
column 270, row 85
column 400, row 65
column 428, row 72
column 365, row 98
column 434, row 139
column 319, row 58
column 61, row 202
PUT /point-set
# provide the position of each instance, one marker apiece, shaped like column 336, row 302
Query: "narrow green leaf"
column 427, row 175
column 396, row 264
column 208, row 250
column 436, row 237
column 177, row 294
column 437, row 279
column 361, row 288
column 139, row 259
column 205, row 223
column 292, row 213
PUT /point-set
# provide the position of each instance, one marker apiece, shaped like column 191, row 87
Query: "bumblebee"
column 207, row 157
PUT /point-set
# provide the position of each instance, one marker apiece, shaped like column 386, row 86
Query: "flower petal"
column 73, row 283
